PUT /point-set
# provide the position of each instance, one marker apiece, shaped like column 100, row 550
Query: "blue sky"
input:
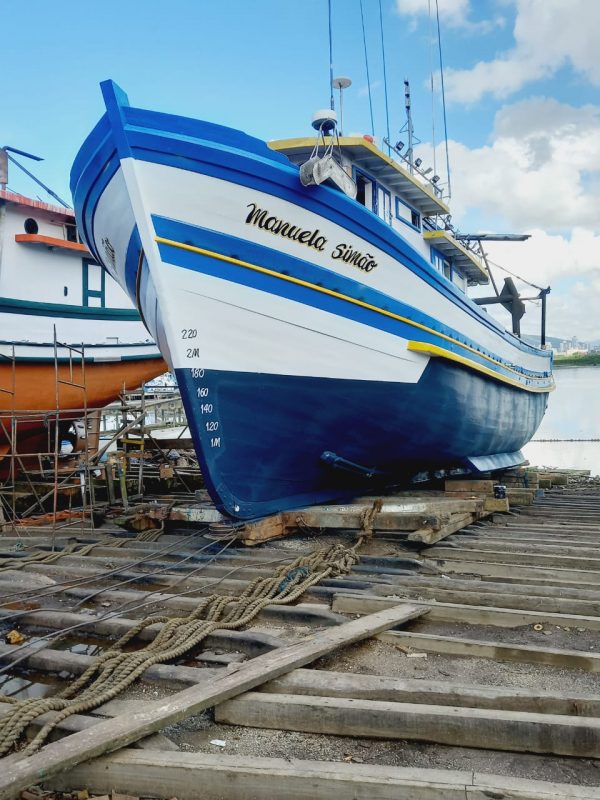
column 263, row 66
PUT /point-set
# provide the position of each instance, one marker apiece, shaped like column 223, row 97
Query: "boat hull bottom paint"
column 33, row 404
column 261, row 437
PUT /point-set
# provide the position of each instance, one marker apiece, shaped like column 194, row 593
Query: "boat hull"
column 29, row 400
column 269, row 449
column 305, row 377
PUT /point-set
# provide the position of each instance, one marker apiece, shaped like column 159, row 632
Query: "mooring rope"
column 43, row 557
column 114, row 670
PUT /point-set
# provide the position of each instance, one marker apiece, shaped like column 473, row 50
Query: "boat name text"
column 261, row 218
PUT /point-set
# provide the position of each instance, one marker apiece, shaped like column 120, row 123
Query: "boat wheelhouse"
column 64, row 324
column 408, row 201
column 323, row 344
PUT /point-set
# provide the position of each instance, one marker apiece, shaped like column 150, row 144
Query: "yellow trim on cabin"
column 331, row 293
column 429, row 235
column 358, row 141
column 439, row 352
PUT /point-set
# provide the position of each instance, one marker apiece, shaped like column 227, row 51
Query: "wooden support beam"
column 81, row 722
column 527, row 598
column 516, row 556
column 263, row 529
column 128, row 728
column 491, row 729
column 397, row 513
column 490, row 569
column 250, row 642
column 347, row 603
column 324, row 683
column 474, row 486
column 521, row 497
column 430, row 535
column 477, row 648
column 557, row 478
column 48, row 660
column 498, row 505
column 251, row 778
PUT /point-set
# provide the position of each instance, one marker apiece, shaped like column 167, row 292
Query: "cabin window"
column 71, row 232
column 94, row 287
column 441, row 264
column 408, row 214
column 386, row 206
column 365, row 191
column 31, row 226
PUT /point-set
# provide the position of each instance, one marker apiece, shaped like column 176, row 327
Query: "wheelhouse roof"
column 466, row 261
column 365, row 155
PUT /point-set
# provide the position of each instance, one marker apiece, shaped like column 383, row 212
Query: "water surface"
column 573, row 413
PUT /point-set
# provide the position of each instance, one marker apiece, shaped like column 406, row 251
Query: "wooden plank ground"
column 491, row 729
column 125, row 729
column 224, row 777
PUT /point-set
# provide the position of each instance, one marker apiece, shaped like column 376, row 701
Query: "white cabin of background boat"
column 411, row 207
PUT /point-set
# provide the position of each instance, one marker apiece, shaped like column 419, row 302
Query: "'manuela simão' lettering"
column 261, row 218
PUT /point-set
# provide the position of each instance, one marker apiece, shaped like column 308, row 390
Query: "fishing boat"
column 69, row 336
column 312, row 304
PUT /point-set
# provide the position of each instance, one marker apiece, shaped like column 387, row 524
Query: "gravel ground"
column 380, row 658
column 290, row 744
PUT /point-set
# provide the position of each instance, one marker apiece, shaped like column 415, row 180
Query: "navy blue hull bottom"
column 260, row 438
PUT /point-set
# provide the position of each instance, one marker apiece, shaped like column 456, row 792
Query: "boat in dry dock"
column 312, row 303
column 68, row 333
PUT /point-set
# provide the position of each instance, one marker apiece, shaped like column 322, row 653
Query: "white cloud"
column 547, row 260
column 539, row 174
column 548, row 34
column 541, row 167
column 453, row 13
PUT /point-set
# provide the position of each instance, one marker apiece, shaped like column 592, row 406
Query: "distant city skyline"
column 522, row 82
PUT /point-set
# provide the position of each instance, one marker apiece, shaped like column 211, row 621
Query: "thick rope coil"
column 114, row 670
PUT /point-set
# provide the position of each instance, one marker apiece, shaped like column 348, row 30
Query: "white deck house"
column 411, row 204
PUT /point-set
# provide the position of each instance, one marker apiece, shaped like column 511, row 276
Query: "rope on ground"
column 113, row 671
column 43, row 557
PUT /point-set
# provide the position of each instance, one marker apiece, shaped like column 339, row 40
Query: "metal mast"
column 409, row 126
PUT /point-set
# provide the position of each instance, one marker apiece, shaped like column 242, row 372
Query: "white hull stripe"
column 540, row 383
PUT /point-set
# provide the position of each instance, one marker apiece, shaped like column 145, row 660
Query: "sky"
column 522, row 88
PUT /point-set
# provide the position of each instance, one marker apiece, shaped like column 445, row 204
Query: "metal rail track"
column 521, row 589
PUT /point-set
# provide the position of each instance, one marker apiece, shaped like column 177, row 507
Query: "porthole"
column 31, row 226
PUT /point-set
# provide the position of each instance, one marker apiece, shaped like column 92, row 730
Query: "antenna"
column 331, row 105
column 341, row 83
column 409, row 126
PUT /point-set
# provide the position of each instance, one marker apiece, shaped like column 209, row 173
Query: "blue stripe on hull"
column 307, row 271
column 260, row 437
column 232, row 156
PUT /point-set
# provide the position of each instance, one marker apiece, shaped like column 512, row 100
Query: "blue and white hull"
column 292, row 360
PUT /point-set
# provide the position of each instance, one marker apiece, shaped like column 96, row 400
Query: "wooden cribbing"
column 469, row 614
column 252, row 778
column 479, row 648
column 324, row 683
column 491, row 729
column 128, row 728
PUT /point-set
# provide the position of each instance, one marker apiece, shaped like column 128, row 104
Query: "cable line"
column 362, row 17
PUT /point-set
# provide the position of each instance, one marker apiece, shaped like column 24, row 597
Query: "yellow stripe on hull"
column 361, row 303
column 439, row 352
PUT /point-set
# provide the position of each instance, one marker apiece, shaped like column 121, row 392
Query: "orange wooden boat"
column 69, row 337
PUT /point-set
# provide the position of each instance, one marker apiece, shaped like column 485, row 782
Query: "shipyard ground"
column 493, row 692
